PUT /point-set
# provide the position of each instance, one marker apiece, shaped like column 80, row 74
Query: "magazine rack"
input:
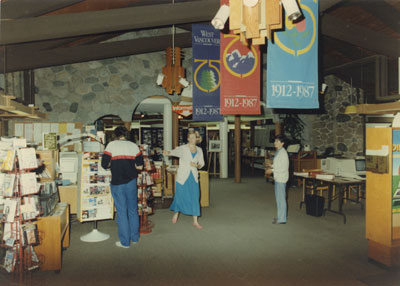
column 145, row 192
column 21, row 210
column 95, row 201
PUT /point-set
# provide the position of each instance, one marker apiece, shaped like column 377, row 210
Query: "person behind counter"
column 280, row 169
column 124, row 158
column 187, row 192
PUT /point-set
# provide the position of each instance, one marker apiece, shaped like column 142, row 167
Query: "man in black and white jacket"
column 123, row 157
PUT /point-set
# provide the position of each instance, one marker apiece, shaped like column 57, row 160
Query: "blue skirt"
column 187, row 197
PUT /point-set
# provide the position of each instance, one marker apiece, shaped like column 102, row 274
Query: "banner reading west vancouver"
column 292, row 62
column 206, row 73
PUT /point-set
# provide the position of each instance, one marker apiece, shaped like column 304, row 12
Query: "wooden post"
column 127, row 125
column 252, row 133
column 278, row 128
column 175, row 135
column 237, row 149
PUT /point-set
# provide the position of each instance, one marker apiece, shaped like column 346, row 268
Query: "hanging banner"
column 240, row 75
column 292, row 62
column 206, row 74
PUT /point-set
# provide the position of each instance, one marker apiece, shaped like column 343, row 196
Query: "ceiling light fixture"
column 292, row 9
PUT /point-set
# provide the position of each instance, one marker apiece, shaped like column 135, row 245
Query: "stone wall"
column 334, row 128
column 86, row 91
column 12, row 84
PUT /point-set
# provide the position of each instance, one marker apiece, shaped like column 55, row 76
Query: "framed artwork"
column 214, row 146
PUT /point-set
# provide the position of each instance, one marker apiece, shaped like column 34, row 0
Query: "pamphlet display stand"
column 19, row 209
column 145, row 192
column 95, row 201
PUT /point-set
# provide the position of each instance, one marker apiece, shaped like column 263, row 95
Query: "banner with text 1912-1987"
column 206, row 73
column 292, row 62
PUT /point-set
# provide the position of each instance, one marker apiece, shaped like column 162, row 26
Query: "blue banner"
column 292, row 62
column 206, row 73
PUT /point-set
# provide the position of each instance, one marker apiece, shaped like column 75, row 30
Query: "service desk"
column 339, row 185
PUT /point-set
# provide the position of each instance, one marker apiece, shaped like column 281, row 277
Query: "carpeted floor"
column 238, row 246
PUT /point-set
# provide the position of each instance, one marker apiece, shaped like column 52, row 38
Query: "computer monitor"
column 360, row 166
column 344, row 167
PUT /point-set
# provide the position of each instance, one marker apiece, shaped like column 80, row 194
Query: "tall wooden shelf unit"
column 383, row 244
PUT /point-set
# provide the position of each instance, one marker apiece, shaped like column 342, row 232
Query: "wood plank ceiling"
column 36, row 34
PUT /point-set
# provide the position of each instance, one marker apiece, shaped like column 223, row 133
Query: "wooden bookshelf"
column 54, row 234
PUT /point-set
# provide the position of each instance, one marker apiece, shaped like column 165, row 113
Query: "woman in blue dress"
column 187, row 192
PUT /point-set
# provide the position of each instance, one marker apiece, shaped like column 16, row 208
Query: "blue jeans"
column 280, row 196
column 125, row 200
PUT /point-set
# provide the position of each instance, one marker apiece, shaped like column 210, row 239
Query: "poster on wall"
column 206, row 73
column 396, row 184
column 292, row 62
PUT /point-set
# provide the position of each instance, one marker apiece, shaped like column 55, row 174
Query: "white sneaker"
column 118, row 243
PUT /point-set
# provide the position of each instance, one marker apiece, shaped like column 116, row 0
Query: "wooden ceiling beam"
column 97, row 5
column 84, row 53
column 327, row 4
column 360, row 36
column 99, row 22
column 16, row 9
column 381, row 10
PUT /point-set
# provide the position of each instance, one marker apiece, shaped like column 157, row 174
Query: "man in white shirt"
column 280, row 169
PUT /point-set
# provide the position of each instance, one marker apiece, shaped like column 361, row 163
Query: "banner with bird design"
column 292, row 62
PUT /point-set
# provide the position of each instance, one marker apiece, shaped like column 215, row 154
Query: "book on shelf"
column 6, row 144
column 48, row 188
column 7, row 184
column 19, row 143
column 10, row 208
column 30, row 208
column 149, row 179
column 34, row 256
column 27, row 158
column 10, row 242
column 7, row 159
column 9, row 230
column 9, row 260
column 30, row 234
column 29, row 183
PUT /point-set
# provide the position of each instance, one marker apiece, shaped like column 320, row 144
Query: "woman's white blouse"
column 185, row 157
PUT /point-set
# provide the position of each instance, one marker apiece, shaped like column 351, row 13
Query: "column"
column 175, row 134
column 223, row 155
column 237, row 149
column 167, row 117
